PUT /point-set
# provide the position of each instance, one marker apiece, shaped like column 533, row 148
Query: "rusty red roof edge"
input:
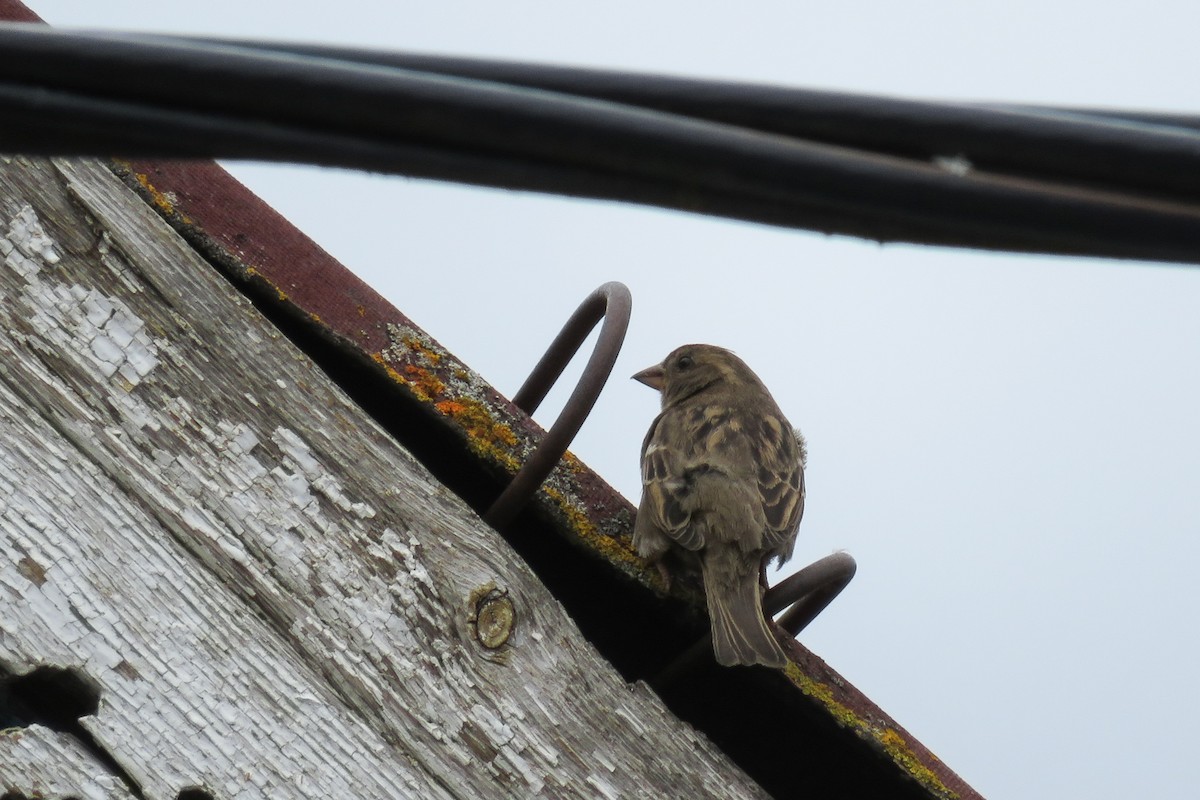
column 228, row 222
column 13, row 11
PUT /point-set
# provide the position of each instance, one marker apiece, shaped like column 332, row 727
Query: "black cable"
column 1151, row 152
column 74, row 94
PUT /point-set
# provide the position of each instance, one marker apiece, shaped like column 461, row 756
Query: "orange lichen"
column 485, row 435
column 453, row 393
column 450, row 408
column 423, row 382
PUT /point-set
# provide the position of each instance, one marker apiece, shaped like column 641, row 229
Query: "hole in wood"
column 50, row 696
column 56, row 698
column 191, row 793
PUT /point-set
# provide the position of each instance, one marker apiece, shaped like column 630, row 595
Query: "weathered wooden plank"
column 191, row 677
column 275, row 598
column 39, row 762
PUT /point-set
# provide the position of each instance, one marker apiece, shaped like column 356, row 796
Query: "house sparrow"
column 723, row 485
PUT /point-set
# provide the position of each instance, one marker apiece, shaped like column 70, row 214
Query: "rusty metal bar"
column 612, row 303
column 809, row 591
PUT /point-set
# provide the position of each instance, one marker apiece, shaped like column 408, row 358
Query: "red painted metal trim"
column 208, row 197
column 13, row 11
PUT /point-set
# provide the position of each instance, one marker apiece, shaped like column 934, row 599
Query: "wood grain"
column 54, row 765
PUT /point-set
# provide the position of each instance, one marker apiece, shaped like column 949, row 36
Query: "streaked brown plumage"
column 722, row 480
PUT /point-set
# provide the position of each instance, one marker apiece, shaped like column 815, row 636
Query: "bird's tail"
column 740, row 632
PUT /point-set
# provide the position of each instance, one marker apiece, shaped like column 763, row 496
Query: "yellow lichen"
column 251, row 272
column 824, row 694
column 887, row 738
column 412, row 343
column 158, row 198
column 575, row 516
column 485, row 436
column 900, row 752
column 392, row 373
column 583, row 527
column 573, row 463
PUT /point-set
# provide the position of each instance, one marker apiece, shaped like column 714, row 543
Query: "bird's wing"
column 780, row 478
column 757, row 456
column 665, row 487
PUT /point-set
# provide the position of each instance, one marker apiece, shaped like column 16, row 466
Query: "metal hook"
column 808, row 592
column 612, row 303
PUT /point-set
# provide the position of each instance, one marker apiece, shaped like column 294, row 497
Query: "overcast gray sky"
column 1008, row 445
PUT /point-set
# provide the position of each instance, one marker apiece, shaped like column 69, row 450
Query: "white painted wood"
column 44, row 764
column 275, row 598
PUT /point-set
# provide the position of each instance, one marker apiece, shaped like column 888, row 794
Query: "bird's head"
column 695, row 368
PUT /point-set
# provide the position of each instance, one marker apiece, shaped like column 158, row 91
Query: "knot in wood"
column 495, row 616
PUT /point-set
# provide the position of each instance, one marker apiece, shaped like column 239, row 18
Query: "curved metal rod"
column 809, row 591
column 612, row 303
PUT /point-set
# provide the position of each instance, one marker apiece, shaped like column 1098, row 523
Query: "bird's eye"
column 684, row 362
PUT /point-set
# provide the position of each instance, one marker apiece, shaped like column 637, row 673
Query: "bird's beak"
column 654, row 377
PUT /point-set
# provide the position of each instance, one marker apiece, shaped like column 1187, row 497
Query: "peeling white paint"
column 75, row 321
column 26, row 234
column 54, row 764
